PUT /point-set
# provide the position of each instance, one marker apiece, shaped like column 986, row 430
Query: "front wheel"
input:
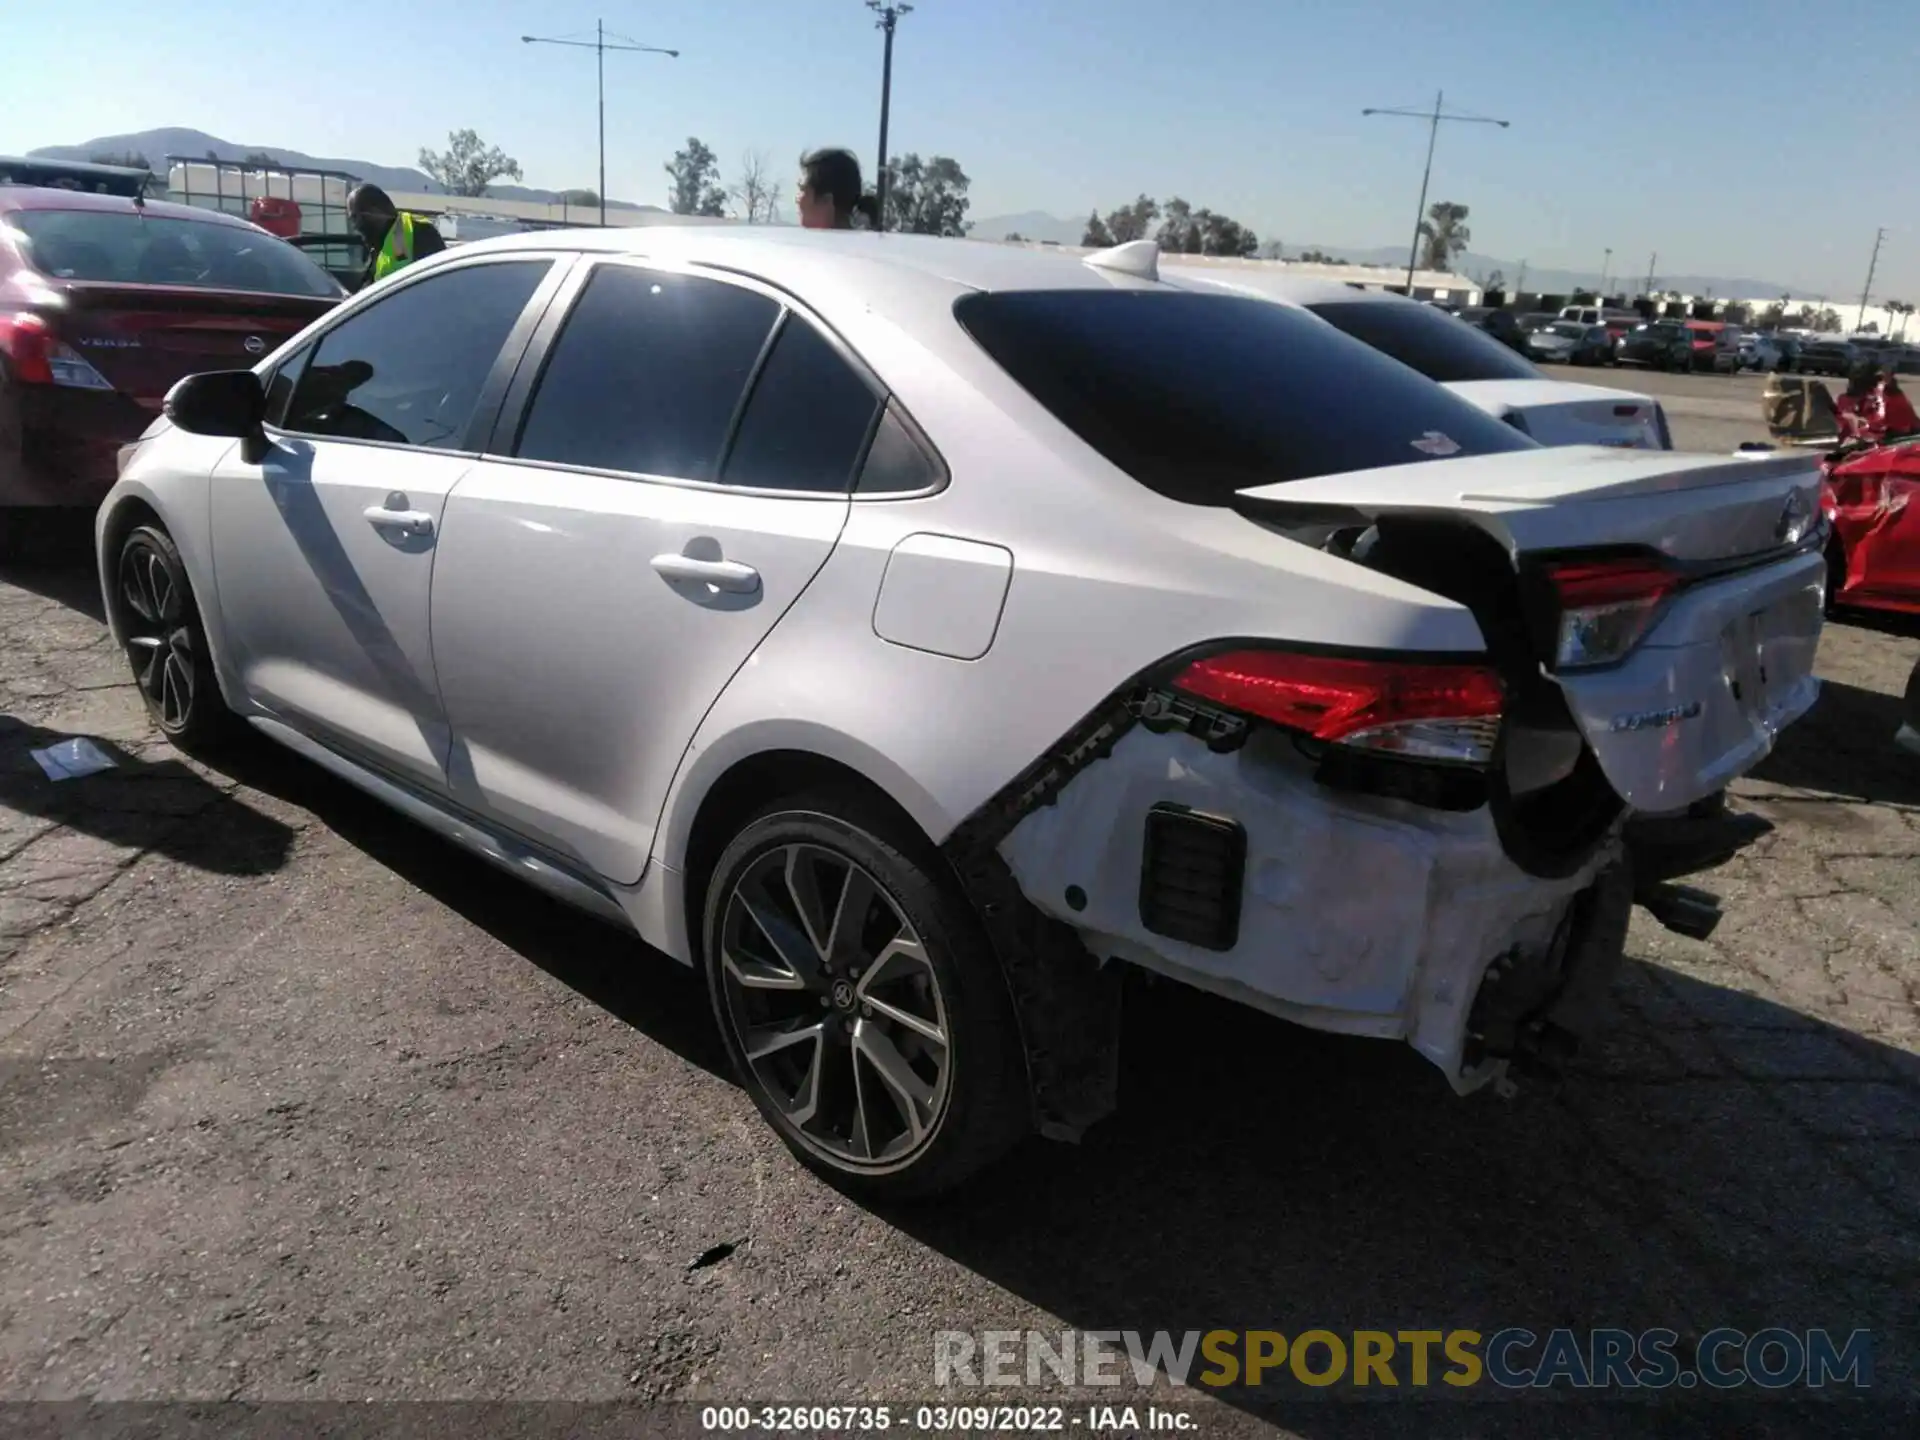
column 165, row 641
column 860, row 1000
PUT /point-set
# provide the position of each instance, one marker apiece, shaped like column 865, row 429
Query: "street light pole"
column 1605, row 266
column 600, row 45
column 1433, row 118
column 1867, row 289
column 889, row 12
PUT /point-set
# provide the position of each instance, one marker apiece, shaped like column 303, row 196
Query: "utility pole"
column 1605, row 266
column 1652, row 260
column 1866, row 289
column 1520, row 284
column 600, row 44
column 889, row 12
column 1433, row 118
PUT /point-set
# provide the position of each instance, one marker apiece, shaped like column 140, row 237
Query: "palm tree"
column 1445, row 233
column 1903, row 309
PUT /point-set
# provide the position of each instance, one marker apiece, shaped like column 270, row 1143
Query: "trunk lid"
column 143, row 338
column 1557, row 413
column 1729, row 661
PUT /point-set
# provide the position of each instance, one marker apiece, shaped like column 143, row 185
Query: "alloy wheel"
column 159, row 639
column 835, row 1007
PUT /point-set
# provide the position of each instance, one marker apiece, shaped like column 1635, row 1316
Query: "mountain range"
column 1039, row 225
column 156, row 145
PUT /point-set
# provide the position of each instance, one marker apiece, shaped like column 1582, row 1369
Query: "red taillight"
column 1408, row 708
column 1606, row 607
column 27, row 340
column 37, row 356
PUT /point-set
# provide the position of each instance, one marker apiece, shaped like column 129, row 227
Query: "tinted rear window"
column 1197, row 396
column 125, row 248
column 1437, row 345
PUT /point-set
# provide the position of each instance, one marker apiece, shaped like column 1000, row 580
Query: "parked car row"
column 985, row 617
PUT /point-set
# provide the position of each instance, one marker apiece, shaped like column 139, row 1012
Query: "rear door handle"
column 728, row 575
column 413, row 522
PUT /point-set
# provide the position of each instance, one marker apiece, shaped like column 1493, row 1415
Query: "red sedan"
column 1873, row 499
column 105, row 301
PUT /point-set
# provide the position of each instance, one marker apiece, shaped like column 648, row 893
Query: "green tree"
column 260, row 160
column 1320, row 257
column 1444, row 234
column 1130, row 222
column 695, row 173
column 131, row 159
column 1179, row 232
column 1096, row 236
column 468, row 165
column 580, row 199
column 1273, row 250
column 1220, row 235
column 927, row 197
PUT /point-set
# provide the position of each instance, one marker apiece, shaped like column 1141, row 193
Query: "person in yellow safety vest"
column 393, row 238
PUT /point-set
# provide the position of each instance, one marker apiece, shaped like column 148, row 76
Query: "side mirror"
column 221, row 402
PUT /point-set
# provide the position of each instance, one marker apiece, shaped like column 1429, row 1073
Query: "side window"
column 409, row 368
column 280, row 385
column 647, row 374
column 807, row 420
column 898, row 461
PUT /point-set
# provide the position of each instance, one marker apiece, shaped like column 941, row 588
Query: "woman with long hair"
column 832, row 196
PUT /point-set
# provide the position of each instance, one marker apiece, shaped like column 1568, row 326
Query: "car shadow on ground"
column 1844, row 746
column 137, row 805
column 61, row 567
column 1720, row 1161
column 616, row 971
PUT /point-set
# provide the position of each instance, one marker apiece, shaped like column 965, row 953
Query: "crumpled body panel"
column 1359, row 915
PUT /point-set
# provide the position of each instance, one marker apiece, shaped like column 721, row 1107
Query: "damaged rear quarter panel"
column 1359, row 915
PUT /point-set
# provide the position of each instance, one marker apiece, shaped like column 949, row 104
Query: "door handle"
column 413, row 522
column 728, row 575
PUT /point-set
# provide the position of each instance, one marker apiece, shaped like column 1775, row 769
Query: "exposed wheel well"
column 751, row 785
column 129, row 514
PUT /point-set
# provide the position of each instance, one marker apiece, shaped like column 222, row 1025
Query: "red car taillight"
column 1606, row 608
column 1410, row 709
column 37, row 356
column 25, row 340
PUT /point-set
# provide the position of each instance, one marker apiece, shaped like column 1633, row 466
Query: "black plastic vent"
column 1192, row 867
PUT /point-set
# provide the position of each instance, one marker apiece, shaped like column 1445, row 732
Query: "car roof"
column 790, row 256
column 52, row 197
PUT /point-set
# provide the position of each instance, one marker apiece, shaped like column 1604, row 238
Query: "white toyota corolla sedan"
column 913, row 633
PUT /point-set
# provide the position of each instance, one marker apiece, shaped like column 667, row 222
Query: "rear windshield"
column 1196, row 396
column 127, row 248
column 1438, row 346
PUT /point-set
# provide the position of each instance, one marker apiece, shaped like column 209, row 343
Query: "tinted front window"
column 132, row 249
column 408, row 369
column 1197, row 396
column 1437, row 345
column 808, row 419
column 647, row 374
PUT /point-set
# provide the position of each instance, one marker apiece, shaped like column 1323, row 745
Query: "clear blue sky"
column 1735, row 137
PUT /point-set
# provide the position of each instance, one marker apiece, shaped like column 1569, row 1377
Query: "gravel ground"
column 298, row 1104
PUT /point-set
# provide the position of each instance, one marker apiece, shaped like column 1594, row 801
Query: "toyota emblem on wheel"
column 254, row 345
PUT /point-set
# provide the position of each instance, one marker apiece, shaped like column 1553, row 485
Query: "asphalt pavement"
column 297, row 1103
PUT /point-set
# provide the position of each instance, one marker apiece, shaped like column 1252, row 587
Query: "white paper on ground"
column 70, row 759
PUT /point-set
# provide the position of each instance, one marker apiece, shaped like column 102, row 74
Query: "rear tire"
column 882, row 1047
column 166, row 643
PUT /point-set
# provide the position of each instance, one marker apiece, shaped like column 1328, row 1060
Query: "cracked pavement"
column 298, row 1103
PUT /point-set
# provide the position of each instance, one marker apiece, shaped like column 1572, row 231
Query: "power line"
column 600, row 45
column 1433, row 118
column 889, row 13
